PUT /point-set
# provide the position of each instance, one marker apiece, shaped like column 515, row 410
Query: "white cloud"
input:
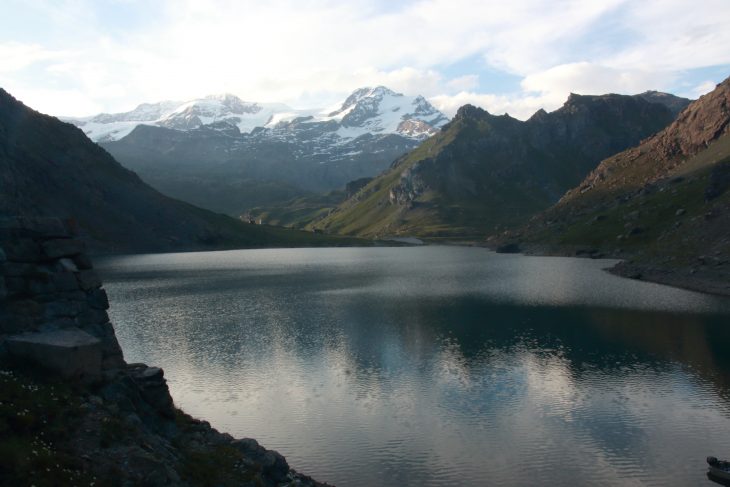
column 702, row 89
column 555, row 84
column 314, row 52
column 16, row 56
column 520, row 106
column 57, row 102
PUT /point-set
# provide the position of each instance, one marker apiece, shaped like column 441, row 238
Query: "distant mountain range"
column 483, row 172
column 366, row 111
column 229, row 155
column 50, row 168
column 664, row 205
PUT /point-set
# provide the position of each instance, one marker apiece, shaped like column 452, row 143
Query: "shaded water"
column 436, row 365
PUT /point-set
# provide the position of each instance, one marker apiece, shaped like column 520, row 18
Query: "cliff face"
column 483, row 172
column 700, row 125
column 71, row 409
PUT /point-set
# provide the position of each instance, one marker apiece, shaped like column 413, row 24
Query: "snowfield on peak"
column 375, row 111
column 181, row 116
column 228, row 155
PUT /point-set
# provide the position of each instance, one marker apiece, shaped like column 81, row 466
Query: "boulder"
column 509, row 248
column 62, row 247
column 71, row 353
column 153, row 387
column 272, row 463
column 88, row 280
column 68, row 265
column 82, row 261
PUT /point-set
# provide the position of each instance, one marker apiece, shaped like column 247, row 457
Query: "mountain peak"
column 367, row 94
column 541, row 114
column 375, row 110
column 223, row 97
column 675, row 103
column 377, row 91
column 469, row 111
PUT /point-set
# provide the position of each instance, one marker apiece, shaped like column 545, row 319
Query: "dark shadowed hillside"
column 48, row 167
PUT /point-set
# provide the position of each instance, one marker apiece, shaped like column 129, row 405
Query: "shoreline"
column 697, row 279
column 700, row 278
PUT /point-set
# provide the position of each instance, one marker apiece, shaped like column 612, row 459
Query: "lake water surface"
column 436, row 365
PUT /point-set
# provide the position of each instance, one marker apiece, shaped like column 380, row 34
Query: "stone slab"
column 72, row 353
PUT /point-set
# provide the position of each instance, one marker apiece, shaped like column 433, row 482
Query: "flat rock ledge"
column 72, row 353
column 124, row 427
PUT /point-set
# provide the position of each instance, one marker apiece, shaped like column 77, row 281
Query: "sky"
column 82, row 57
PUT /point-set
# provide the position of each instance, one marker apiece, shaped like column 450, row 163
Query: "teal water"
column 436, row 365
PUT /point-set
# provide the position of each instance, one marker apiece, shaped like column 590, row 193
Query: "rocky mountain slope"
column 48, row 167
column 229, row 155
column 483, row 172
column 664, row 204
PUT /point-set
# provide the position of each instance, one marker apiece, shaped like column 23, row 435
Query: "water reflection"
column 436, row 366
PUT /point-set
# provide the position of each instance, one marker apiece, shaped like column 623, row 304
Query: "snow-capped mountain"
column 218, row 151
column 366, row 111
column 187, row 115
column 382, row 111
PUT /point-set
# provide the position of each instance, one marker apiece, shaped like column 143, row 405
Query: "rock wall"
column 53, row 307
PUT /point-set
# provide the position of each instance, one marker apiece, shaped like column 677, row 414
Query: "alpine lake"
column 436, row 365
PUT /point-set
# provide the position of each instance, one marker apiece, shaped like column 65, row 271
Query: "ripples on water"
column 436, row 365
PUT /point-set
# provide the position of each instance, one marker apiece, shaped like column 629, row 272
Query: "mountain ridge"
column 453, row 184
column 662, row 205
column 358, row 107
column 217, row 166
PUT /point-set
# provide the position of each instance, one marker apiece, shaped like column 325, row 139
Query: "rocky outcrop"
column 353, row 187
column 126, row 430
column 54, row 310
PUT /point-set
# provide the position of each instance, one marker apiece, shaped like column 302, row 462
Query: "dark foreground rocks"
column 72, row 411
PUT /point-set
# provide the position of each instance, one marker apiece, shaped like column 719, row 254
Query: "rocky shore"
column 706, row 274
column 72, row 411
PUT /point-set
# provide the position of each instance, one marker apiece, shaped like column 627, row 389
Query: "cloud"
column 702, row 89
column 313, row 52
column 16, row 56
column 555, row 84
column 520, row 106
